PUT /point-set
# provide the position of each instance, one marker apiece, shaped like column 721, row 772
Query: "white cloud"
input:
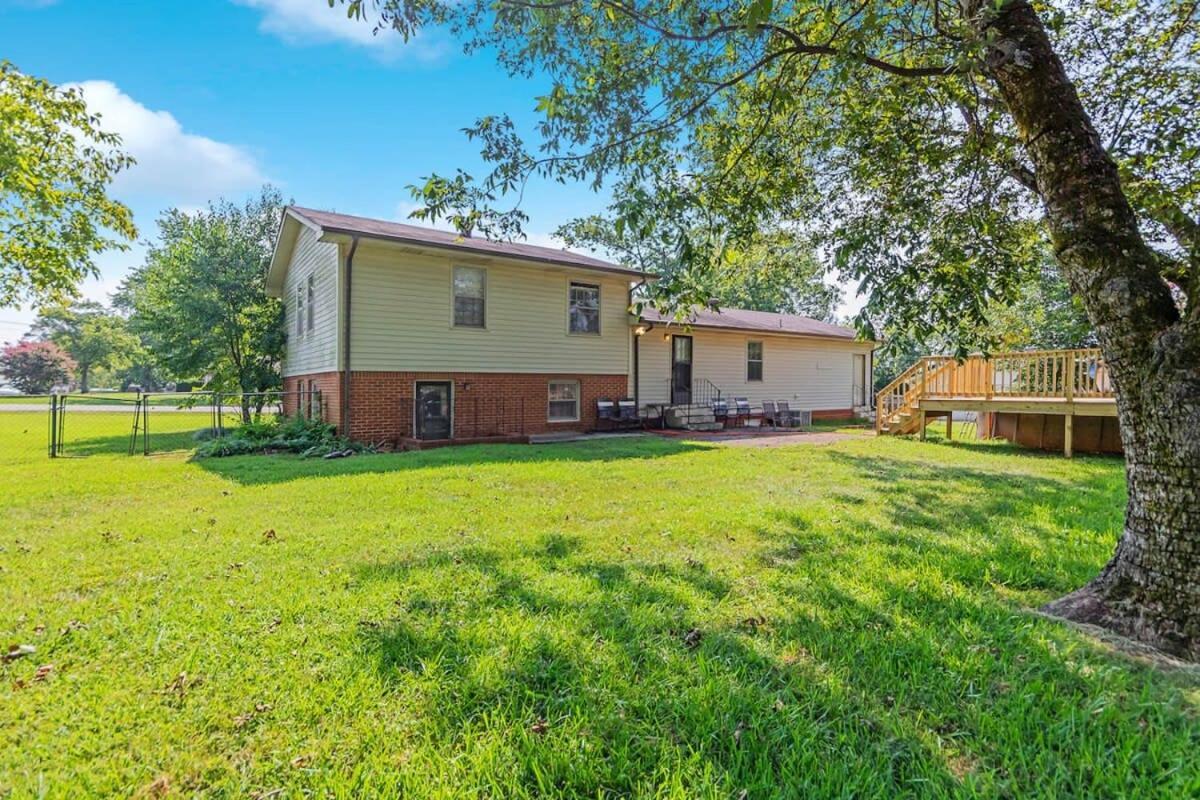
column 313, row 21
column 180, row 166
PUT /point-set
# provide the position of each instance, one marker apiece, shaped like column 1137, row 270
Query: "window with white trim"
column 754, row 361
column 564, row 401
column 312, row 302
column 299, row 310
column 470, row 297
column 583, row 308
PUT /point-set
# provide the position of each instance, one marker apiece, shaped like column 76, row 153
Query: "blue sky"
column 216, row 97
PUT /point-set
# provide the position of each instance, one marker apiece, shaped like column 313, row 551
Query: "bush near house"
column 278, row 434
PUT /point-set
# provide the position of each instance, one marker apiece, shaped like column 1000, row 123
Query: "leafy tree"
column 200, row 302
column 35, row 367
column 923, row 141
column 92, row 335
column 1044, row 316
column 56, row 164
column 776, row 271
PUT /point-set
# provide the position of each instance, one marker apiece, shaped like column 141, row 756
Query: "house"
column 410, row 333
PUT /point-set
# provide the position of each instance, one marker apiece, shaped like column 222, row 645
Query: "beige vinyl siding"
column 315, row 350
column 402, row 317
column 808, row 373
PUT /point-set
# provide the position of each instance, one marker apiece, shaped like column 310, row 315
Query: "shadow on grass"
column 278, row 469
column 913, row 679
column 1027, row 529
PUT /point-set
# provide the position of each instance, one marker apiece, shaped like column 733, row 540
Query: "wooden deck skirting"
column 1069, row 383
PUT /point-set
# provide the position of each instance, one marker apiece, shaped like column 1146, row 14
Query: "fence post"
column 53, row 425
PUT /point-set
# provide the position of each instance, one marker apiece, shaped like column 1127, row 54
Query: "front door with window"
column 681, row 370
column 433, row 410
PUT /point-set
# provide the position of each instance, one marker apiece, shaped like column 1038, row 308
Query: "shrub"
column 280, row 434
column 35, row 367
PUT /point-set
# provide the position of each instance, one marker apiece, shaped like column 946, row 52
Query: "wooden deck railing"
column 1066, row 374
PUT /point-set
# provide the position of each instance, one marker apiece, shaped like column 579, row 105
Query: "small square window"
column 754, row 361
column 583, row 308
column 470, row 297
column 564, row 401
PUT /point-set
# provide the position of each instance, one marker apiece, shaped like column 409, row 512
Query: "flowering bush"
column 35, row 367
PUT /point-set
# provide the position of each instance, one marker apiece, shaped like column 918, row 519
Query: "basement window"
column 564, row 401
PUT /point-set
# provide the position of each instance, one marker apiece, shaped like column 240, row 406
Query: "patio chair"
column 606, row 414
column 627, row 414
column 741, row 410
column 784, row 414
column 770, row 415
column 720, row 409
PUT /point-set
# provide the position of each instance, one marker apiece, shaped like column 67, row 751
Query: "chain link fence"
column 78, row 425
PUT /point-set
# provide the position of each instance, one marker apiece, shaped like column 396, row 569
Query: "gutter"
column 346, row 338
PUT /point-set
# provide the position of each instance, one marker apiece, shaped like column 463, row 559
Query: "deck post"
column 921, row 422
column 949, row 426
column 1068, row 434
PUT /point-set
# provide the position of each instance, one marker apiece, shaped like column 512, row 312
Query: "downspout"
column 346, row 339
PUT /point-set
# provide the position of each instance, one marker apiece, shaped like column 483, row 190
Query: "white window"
column 754, row 361
column 299, row 310
column 470, row 297
column 583, row 308
column 312, row 301
column 564, row 401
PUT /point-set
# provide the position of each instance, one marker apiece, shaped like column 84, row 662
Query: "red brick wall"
column 485, row 404
column 328, row 384
column 833, row 413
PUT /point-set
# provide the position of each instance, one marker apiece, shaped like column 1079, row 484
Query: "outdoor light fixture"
column 640, row 330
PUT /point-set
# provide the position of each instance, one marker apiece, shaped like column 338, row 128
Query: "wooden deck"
column 1067, row 383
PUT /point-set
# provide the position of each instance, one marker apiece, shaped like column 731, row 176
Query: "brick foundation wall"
column 833, row 413
column 328, row 384
column 486, row 404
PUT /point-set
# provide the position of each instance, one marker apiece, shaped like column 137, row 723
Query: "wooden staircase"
column 897, row 405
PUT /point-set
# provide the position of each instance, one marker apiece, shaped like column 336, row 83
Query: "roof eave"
column 332, row 231
column 764, row 332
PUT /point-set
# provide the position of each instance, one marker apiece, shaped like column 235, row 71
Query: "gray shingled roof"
column 331, row 222
column 756, row 321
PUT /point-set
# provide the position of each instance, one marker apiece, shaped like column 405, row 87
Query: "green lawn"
column 631, row 617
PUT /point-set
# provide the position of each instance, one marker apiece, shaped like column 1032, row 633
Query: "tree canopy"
column 56, row 166
column 199, row 301
column 777, row 271
column 92, row 335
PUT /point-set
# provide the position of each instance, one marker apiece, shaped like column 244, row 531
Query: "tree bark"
column 1150, row 590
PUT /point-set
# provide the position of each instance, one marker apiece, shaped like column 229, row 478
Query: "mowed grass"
column 631, row 617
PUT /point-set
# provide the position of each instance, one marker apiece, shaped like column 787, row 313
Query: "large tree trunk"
column 1150, row 590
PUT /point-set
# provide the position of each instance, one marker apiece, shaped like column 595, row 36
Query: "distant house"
column 410, row 333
